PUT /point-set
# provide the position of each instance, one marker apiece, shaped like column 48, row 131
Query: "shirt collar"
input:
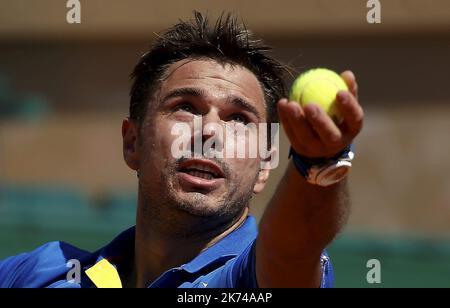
column 231, row 245
column 121, row 250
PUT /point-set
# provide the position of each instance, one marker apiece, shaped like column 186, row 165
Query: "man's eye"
column 185, row 107
column 239, row 118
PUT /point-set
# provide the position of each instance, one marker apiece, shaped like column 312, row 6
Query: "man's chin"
column 199, row 204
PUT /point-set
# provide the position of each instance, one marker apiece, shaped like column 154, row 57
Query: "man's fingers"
column 323, row 125
column 283, row 114
column 350, row 80
column 303, row 131
column 351, row 112
column 300, row 133
column 312, row 131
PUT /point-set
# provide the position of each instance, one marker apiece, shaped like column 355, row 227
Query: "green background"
column 30, row 217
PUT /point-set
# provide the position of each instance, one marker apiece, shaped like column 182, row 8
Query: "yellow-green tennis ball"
column 319, row 86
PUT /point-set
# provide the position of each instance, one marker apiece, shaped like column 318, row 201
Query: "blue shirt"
column 230, row 263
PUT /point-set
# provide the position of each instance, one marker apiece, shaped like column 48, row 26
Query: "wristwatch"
column 324, row 172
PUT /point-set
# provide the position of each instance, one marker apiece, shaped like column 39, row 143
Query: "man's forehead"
column 214, row 76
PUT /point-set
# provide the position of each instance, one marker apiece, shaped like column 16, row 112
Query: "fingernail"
column 283, row 101
column 351, row 73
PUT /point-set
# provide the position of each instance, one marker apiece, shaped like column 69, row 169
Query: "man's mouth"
column 200, row 174
column 201, row 171
column 204, row 169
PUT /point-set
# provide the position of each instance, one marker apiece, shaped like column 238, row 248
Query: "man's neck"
column 157, row 252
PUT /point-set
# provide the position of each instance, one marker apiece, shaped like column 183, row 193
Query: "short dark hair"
column 228, row 42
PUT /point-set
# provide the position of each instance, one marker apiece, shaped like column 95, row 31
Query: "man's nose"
column 212, row 132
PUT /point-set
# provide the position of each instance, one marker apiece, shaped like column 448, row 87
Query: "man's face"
column 220, row 94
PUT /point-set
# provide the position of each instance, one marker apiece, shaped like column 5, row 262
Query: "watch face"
column 332, row 175
column 338, row 174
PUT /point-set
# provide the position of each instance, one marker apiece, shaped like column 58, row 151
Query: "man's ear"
column 130, row 134
column 264, row 172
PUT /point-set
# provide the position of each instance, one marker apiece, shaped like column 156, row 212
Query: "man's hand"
column 302, row 219
column 312, row 133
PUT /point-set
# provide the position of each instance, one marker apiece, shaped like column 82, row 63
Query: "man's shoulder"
column 40, row 266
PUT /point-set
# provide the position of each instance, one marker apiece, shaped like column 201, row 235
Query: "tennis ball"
column 319, row 86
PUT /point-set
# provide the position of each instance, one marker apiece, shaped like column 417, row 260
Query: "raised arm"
column 302, row 219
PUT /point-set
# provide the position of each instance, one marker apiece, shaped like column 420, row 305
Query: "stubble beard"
column 192, row 213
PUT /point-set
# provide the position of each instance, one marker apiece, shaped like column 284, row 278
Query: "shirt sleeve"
column 240, row 272
column 10, row 269
column 36, row 268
